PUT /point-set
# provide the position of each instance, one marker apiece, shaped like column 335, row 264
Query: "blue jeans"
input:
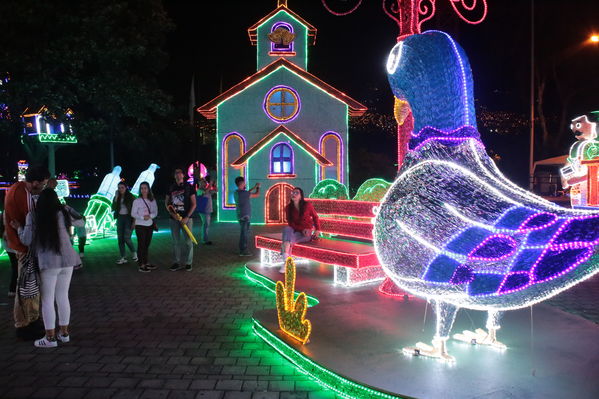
column 123, row 233
column 244, row 235
column 182, row 246
column 206, row 217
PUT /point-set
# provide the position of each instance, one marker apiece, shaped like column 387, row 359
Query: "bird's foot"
column 437, row 351
column 480, row 337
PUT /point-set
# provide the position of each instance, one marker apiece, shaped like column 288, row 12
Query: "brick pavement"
column 155, row 335
column 170, row 334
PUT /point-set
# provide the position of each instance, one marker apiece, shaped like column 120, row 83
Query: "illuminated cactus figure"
column 145, row 176
column 452, row 228
column 292, row 313
column 98, row 213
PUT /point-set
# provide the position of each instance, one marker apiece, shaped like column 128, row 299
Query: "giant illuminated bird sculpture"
column 452, row 228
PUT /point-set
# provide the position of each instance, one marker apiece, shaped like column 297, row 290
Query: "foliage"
column 372, row 190
column 330, row 189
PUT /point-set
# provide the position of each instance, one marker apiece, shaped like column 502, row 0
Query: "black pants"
column 14, row 266
column 81, row 244
column 144, row 238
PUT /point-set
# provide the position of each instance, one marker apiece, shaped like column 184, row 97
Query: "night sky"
column 350, row 53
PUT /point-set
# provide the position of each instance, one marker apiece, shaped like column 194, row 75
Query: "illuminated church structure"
column 281, row 126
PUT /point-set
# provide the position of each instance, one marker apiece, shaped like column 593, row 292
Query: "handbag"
column 29, row 278
column 154, row 225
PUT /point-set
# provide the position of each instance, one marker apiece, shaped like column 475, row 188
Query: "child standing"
column 244, row 212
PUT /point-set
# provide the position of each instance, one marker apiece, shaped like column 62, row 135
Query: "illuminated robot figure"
column 575, row 174
column 452, row 228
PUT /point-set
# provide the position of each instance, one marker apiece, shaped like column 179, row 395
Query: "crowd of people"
column 37, row 232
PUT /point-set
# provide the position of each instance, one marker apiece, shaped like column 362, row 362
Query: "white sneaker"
column 45, row 343
column 63, row 338
column 134, row 257
column 121, row 261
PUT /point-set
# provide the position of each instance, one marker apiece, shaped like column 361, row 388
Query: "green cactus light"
column 292, row 312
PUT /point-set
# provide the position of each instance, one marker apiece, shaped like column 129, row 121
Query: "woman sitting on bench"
column 302, row 219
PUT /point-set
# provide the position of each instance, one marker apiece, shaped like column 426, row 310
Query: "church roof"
column 239, row 162
column 252, row 30
column 209, row 109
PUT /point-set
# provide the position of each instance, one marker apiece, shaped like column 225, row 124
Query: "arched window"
column 281, row 159
column 331, row 147
column 281, row 47
column 282, row 104
column 233, row 146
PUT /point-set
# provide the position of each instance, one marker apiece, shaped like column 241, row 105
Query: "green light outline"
column 293, row 72
column 306, row 38
column 57, row 138
column 335, row 382
column 247, row 162
column 270, row 284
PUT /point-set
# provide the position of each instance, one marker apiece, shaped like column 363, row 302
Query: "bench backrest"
column 345, row 217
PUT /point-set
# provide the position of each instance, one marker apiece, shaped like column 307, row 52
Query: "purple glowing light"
column 538, row 221
column 340, row 149
column 493, row 248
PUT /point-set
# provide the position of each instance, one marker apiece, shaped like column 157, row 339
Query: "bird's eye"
column 394, row 57
column 578, row 125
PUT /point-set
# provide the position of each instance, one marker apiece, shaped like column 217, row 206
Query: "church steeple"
column 282, row 33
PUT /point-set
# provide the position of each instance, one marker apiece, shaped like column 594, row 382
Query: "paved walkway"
column 169, row 334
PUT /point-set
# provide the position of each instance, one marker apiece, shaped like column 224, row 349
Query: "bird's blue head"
column 431, row 73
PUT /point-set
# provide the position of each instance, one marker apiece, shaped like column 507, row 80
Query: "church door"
column 276, row 199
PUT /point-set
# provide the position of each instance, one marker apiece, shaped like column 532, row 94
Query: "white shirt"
column 139, row 210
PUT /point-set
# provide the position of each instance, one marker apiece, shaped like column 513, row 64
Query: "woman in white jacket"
column 46, row 230
column 144, row 210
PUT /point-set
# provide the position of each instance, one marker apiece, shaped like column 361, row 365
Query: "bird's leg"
column 482, row 337
column 445, row 314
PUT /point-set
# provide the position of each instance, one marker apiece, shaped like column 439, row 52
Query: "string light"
column 452, row 228
column 329, row 189
column 226, row 203
column 209, row 110
column 282, row 91
column 360, row 209
column 271, row 284
column 339, row 154
column 291, row 311
column 342, row 386
column 278, row 13
column 372, row 190
column 266, row 140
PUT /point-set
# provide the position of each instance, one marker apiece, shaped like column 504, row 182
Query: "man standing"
column 244, row 212
column 20, row 199
column 180, row 199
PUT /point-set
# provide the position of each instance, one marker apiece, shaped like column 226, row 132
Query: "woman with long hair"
column 144, row 211
column 47, row 231
column 121, row 205
column 302, row 223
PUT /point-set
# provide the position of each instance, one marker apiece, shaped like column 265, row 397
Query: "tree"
column 99, row 58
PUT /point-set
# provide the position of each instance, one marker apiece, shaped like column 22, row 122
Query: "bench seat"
column 335, row 252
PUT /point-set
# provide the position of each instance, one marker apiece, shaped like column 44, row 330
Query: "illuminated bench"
column 350, row 251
